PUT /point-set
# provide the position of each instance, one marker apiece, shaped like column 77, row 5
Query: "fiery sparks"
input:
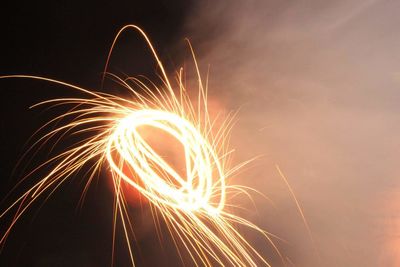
column 193, row 203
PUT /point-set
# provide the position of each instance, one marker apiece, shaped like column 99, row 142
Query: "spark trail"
column 194, row 205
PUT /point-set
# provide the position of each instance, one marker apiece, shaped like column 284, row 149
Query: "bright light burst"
column 193, row 204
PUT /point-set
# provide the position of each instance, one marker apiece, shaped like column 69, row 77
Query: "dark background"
column 69, row 41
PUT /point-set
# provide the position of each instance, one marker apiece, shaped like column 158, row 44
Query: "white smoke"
column 318, row 85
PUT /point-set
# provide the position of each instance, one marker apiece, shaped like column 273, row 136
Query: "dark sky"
column 69, row 41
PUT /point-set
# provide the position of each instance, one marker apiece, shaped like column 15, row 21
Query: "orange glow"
column 389, row 222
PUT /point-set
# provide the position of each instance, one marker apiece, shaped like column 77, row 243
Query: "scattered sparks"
column 193, row 204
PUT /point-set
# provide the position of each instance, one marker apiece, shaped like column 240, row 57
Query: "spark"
column 194, row 205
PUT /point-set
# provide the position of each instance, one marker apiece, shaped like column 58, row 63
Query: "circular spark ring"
column 192, row 204
column 156, row 179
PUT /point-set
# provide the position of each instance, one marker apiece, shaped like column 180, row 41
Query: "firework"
column 193, row 204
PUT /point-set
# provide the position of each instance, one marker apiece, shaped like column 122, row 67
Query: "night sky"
column 69, row 41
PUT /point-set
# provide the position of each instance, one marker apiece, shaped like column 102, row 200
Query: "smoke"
column 317, row 84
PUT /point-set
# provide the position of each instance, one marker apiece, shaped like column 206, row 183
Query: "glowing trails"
column 159, row 178
column 193, row 206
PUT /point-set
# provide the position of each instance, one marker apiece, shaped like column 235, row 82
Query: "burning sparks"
column 193, row 204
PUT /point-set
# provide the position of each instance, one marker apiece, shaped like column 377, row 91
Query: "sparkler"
column 194, row 205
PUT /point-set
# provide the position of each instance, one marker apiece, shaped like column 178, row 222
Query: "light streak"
column 195, row 205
